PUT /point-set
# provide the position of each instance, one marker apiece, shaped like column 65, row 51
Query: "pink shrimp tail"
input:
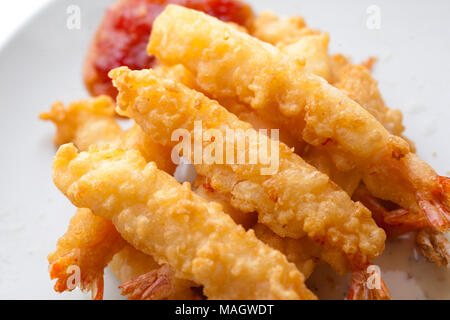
column 154, row 285
column 92, row 282
column 437, row 209
column 394, row 222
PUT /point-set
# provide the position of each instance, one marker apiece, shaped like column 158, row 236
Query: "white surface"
column 14, row 13
column 42, row 64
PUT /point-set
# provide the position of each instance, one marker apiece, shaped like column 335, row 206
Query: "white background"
column 14, row 13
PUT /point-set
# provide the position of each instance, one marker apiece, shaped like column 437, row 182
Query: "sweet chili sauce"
column 122, row 37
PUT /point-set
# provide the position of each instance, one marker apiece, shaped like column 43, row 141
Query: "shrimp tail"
column 393, row 222
column 154, row 285
column 362, row 288
column 434, row 246
column 436, row 207
column 67, row 280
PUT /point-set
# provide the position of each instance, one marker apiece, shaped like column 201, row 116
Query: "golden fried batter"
column 303, row 252
column 360, row 86
column 295, row 201
column 272, row 29
column 228, row 63
column 84, row 122
column 160, row 217
column 293, row 38
column 90, row 122
column 130, row 263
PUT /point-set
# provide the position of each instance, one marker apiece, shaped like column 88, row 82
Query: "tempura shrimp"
column 277, row 87
column 163, row 218
column 295, row 201
column 87, row 247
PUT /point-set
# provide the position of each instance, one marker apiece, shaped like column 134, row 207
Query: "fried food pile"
column 345, row 178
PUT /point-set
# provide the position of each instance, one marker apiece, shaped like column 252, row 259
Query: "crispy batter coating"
column 160, row 217
column 347, row 180
column 179, row 73
column 313, row 49
column 296, row 200
column 280, row 89
column 294, row 38
column 136, row 139
column 89, row 244
column 92, row 122
column 337, row 63
column 84, row 122
column 204, row 189
column 360, row 86
column 304, row 252
column 272, row 29
column 129, row 264
column 228, row 63
column 89, row 122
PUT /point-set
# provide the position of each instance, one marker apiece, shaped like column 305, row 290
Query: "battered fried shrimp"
column 89, row 122
column 303, row 252
column 321, row 160
column 131, row 260
column 92, row 122
column 203, row 189
column 88, row 245
column 160, row 217
column 394, row 221
column 84, row 122
column 295, row 201
column 228, row 63
column 434, row 246
column 337, row 63
column 360, row 86
column 179, row 73
column 136, row 139
column 354, row 80
column 129, row 263
column 313, row 50
column 293, row 38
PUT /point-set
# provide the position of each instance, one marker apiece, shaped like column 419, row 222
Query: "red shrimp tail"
column 154, row 285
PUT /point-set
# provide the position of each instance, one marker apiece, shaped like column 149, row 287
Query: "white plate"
column 42, row 64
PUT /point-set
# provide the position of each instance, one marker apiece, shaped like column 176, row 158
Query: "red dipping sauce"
column 123, row 35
